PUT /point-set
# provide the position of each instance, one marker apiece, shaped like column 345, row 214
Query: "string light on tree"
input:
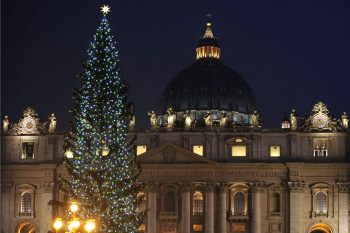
column 103, row 167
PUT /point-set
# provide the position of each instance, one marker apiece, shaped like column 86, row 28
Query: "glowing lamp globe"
column 58, row 224
column 74, row 207
column 90, row 225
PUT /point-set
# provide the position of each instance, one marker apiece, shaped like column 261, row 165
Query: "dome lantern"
column 208, row 46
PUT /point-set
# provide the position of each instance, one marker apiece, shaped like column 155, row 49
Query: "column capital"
column 6, row 187
column 223, row 187
column 343, row 187
column 185, row 187
column 46, row 187
column 152, row 187
column 257, row 187
column 210, row 186
column 295, row 186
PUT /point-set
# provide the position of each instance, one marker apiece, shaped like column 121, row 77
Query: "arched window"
column 141, row 202
column 169, row 203
column 198, row 203
column 26, row 203
column 239, row 204
column 275, row 203
column 321, row 202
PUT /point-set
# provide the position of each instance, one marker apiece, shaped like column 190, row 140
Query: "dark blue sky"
column 292, row 53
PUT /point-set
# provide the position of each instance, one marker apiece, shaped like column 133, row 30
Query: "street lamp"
column 74, row 224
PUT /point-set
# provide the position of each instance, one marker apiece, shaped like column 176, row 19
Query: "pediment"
column 170, row 153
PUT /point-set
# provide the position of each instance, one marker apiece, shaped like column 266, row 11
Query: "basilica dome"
column 208, row 86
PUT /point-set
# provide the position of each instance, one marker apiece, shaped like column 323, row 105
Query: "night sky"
column 292, row 53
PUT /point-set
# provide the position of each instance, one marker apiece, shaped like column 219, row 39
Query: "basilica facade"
column 207, row 163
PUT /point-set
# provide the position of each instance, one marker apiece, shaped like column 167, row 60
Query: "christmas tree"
column 103, row 168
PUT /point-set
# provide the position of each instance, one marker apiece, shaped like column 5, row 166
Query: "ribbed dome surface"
column 208, row 84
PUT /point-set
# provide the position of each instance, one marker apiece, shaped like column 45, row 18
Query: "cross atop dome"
column 208, row 32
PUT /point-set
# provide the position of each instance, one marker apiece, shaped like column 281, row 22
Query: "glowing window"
column 238, row 140
column 198, row 204
column 142, row 228
column 239, row 150
column 198, row 149
column 239, row 204
column 321, row 202
column 26, row 203
column 197, row 227
column 140, row 149
column 141, row 202
column 275, row 151
column 27, row 150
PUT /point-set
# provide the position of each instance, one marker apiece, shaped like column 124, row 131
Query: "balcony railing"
column 321, row 214
column 26, row 214
column 168, row 215
column 238, row 215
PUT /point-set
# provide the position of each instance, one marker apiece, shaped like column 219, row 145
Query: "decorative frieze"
column 213, row 172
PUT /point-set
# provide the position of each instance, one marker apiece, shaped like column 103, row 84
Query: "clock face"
column 29, row 125
column 320, row 121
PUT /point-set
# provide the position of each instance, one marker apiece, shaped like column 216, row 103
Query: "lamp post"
column 74, row 224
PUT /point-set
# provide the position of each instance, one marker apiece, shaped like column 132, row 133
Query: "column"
column 185, row 208
column 256, row 189
column 5, row 206
column 222, row 208
column 44, row 211
column 343, row 189
column 152, row 206
column 296, row 190
column 209, row 208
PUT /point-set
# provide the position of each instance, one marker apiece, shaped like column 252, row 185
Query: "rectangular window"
column 275, row 151
column 320, row 153
column 27, row 150
column 198, row 149
column 320, row 147
column 239, row 151
column 142, row 228
column 140, row 149
column 238, row 227
column 197, row 227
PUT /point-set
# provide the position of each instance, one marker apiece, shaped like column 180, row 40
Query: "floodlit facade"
column 207, row 163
